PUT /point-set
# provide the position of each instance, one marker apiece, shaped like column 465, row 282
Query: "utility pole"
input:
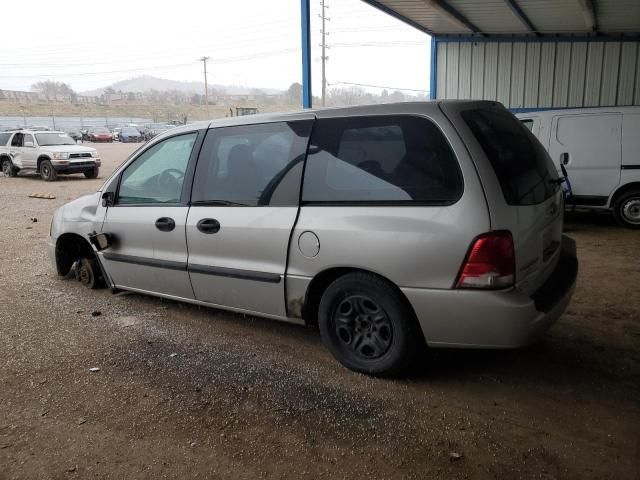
column 206, row 88
column 324, row 57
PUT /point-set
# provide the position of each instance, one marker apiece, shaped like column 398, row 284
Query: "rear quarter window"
column 523, row 167
column 380, row 159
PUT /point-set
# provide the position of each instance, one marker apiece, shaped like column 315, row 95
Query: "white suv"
column 47, row 153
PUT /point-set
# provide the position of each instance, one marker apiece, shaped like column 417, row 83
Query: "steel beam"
column 517, row 11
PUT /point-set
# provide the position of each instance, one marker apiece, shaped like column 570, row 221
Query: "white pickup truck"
column 47, row 153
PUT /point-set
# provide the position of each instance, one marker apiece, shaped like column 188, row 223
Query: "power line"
column 380, row 86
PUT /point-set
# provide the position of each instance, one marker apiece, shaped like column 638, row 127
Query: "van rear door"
column 520, row 183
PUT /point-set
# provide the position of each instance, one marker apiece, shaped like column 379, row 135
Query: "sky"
column 251, row 43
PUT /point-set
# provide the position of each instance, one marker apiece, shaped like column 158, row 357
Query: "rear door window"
column 523, row 167
column 252, row 165
column 380, row 159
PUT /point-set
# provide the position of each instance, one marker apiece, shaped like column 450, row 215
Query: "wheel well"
column 40, row 160
column 321, row 282
column 629, row 187
column 69, row 248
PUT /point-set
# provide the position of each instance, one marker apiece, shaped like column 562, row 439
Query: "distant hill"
column 147, row 83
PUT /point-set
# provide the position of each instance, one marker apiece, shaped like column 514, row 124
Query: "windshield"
column 101, row 130
column 130, row 130
column 54, row 139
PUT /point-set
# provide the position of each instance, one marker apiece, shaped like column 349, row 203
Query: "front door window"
column 157, row 176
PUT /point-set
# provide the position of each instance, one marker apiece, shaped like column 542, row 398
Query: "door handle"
column 208, row 225
column 165, row 224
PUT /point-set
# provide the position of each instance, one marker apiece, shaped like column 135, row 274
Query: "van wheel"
column 47, row 172
column 88, row 273
column 367, row 325
column 93, row 173
column 8, row 169
column 627, row 209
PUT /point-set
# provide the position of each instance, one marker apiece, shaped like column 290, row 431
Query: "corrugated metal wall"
column 540, row 74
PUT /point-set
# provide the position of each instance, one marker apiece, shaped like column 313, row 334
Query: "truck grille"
column 79, row 155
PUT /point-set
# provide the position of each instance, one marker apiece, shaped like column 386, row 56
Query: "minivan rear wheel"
column 367, row 325
column 627, row 209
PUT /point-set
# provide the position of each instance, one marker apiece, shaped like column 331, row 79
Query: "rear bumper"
column 499, row 319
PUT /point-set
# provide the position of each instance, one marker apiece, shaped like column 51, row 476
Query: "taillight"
column 490, row 263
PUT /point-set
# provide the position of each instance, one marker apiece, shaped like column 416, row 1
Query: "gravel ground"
column 188, row 392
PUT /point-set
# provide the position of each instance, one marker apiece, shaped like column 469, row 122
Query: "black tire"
column 88, row 273
column 627, row 209
column 93, row 173
column 8, row 169
column 47, row 172
column 368, row 326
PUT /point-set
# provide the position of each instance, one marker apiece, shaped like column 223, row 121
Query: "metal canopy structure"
column 535, row 18
column 593, row 38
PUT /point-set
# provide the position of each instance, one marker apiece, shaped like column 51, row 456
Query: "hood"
column 68, row 148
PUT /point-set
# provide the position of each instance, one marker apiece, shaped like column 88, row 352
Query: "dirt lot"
column 185, row 392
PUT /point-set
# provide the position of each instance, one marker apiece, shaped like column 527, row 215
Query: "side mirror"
column 28, row 144
column 108, row 199
column 564, row 158
column 100, row 240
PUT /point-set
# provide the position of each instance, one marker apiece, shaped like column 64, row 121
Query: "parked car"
column 75, row 134
column 47, row 153
column 600, row 150
column 388, row 226
column 130, row 134
column 156, row 129
column 116, row 133
column 100, row 134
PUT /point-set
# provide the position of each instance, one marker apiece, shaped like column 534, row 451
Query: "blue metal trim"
column 542, row 109
column 394, row 14
column 305, row 17
column 542, row 39
column 433, row 70
column 517, row 11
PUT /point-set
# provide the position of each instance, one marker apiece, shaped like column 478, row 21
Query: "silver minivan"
column 388, row 226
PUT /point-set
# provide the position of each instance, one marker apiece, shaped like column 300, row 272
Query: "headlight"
column 60, row 156
column 94, row 154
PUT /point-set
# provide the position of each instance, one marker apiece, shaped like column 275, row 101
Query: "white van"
column 600, row 148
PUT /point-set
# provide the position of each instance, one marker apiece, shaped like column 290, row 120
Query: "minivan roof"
column 426, row 107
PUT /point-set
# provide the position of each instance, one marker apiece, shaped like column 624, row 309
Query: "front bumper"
column 495, row 319
column 70, row 166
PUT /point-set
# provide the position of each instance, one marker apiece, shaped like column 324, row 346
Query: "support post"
column 433, row 70
column 306, row 53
